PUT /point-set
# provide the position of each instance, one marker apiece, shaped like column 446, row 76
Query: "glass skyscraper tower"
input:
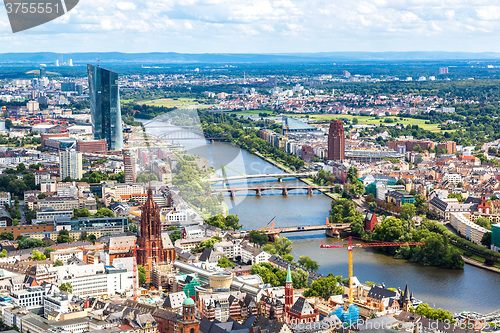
column 105, row 106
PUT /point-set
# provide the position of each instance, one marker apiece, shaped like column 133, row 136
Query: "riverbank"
column 480, row 265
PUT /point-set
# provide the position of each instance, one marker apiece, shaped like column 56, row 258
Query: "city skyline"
column 265, row 26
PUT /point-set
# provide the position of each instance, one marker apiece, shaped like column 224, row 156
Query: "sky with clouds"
column 264, row 26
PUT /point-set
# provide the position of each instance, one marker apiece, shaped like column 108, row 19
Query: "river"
column 470, row 289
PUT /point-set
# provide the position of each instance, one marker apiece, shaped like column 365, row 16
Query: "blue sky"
column 264, row 26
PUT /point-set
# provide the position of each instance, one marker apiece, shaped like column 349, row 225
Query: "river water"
column 470, row 289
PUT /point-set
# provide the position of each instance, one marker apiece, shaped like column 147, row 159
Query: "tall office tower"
column 443, row 70
column 336, row 141
column 151, row 248
column 129, row 166
column 105, row 106
column 70, row 164
column 70, row 63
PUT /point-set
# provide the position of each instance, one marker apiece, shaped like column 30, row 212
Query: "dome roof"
column 188, row 302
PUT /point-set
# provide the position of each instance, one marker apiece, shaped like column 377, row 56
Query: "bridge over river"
column 284, row 189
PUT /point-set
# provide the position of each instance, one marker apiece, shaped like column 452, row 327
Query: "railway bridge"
column 284, row 189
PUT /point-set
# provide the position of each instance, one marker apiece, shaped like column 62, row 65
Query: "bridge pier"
column 273, row 236
column 232, row 193
column 280, row 180
column 309, row 191
column 258, row 192
column 332, row 232
column 332, row 189
column 284, row 191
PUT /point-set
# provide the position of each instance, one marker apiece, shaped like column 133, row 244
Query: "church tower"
column 288, row 290
column 150, row 245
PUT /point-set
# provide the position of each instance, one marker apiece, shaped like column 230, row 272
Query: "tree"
column 308, row 263
column 104, row 212
column 37, row 255
column 206, row 243
column 425, row 310
column 457, row 196
column 224, row 262
column 401, row 181
column 486, row 240
column 357, row 189
column 352, row 175
column 15, row 222
column 299, row 278
column 84, row 212
column 287, row 257
column 21, row 167
column 83, row 236
column 282, row 245
column 4, row 253
column 91, row 238
column 58, row 263
column 7, row 236
column 483, row 222
column 325, row 287
column 269, row 248
column 258, row 237
column 175, row 236
column 229, row 222
column 47, row 252
column 408, row 211
column 67, row 287
column 142, row 274
column 63, row 237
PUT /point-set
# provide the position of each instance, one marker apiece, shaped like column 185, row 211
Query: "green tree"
column 258, row 237
column 175, row 236
column 483, row 222
column 408, row 211
column 224, row 262
column 104, row 212
column 325, row 287
column 91, row 238
column 352, row 175
column 287, row 257
column 4, row 253
column 37, row 255
column 486, row 239
column 282, row 245
column 308, row 263
column 42, row 196
column 67, row 287
column 299, row 278
column 457, row 196
column 142, row 274
column 206, row 243
column 58, row 263
column 47, row 252
column 21, row 167
column 63, row 237
column 83, row 236
column 84, row 212
column 7, row 236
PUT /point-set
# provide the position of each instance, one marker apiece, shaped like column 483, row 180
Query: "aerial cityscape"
column 269, row 186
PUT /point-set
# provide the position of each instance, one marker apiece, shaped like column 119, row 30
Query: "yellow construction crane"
column 350, row 245
column 272, row 225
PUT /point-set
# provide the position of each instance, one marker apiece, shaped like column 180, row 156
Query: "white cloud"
column 270, row 25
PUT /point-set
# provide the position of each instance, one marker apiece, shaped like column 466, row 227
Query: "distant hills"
column 49, row 58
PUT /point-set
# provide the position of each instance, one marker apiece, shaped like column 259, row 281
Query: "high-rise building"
column 70, row 164
column 336, row 141
column 105, row 106
column 151, row 250
column 129, row 166
column 443, row 70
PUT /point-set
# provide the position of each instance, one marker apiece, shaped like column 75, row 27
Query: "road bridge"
column 284, row 189
column 331, row 230
column 280, row 176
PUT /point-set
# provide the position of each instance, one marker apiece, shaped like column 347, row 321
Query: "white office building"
column 70, row 164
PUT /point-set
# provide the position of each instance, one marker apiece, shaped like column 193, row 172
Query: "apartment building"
column 468, row 229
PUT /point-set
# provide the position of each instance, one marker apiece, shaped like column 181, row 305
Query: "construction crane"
column 350, row 246
column 272, row 225
column 134, row 256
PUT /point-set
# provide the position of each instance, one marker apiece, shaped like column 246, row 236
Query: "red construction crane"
column 350, row 245
column 134, row 256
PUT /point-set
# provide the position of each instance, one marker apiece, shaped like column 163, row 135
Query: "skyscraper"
column 129, row 166
column 70, row 164
column 105, row 106
column 151, row 249
column 336, row 141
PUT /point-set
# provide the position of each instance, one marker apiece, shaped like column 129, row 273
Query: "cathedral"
column 151, row 250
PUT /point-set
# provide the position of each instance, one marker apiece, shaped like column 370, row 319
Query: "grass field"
column 362, row 120
column 171, row 102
